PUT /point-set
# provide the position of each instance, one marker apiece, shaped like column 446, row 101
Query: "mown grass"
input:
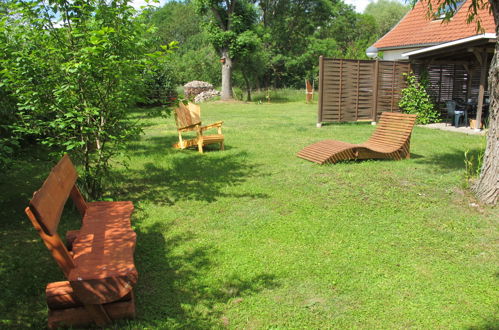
column 254, row 237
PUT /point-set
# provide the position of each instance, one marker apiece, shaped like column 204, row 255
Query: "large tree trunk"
column 226, row 76
column 487, row 186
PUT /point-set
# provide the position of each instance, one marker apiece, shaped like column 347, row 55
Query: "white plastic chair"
column 454, row 114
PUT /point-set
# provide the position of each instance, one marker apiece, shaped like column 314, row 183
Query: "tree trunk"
column 226, row 76
column 487, row 186
column 248, row 86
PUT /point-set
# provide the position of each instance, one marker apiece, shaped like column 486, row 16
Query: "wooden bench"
column 97, row 260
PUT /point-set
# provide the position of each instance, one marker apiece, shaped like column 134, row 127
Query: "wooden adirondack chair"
column 391, row 140
column 188, row 118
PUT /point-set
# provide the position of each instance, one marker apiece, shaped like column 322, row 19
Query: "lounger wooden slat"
column 390, row 140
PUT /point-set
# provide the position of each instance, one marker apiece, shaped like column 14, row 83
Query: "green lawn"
column 254, row 237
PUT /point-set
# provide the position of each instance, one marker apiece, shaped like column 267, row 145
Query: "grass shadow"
column 185, row 175
column 172, row 289
column 452, row 160
column 26, row 265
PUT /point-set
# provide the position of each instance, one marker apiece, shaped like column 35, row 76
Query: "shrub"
column 160, row 86
column 415, row 100
column 74, row 83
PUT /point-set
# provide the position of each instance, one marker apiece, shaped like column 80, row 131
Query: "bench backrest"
column 393, row 128
column 46, row 206
column 48, row 202
column 187, row 115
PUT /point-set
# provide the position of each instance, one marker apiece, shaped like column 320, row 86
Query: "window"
column 449, row 10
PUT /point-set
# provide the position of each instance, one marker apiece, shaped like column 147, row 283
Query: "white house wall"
column 396, row 54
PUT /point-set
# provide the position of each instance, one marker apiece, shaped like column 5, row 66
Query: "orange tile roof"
column 416, row 29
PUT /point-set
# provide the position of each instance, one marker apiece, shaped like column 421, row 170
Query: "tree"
column 74, row 80
column 387, row 13
column 195, row 59
column 487, row 186
column 301, row 30
column 230, row 31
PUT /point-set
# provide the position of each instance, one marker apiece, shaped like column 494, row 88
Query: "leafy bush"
column 415, row 100
column 160, row 87
column 75, row 82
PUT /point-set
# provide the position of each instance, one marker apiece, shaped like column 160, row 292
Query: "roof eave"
column 409, row 46
column 443, row 45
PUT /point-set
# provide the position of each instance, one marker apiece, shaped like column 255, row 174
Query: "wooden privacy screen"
column 450, row 81
column 356, row 90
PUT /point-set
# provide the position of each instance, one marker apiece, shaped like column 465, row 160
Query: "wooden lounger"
column 391, row 140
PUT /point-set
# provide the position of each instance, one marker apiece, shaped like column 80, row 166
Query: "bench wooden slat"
column 103, row 253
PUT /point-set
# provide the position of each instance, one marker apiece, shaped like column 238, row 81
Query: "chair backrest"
column 46, row 206
column 187, row 115
column 451, row 107
column 393, row 128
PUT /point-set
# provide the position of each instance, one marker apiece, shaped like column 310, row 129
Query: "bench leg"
column 99, row 314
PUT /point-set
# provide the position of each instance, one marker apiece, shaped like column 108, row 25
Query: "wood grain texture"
column 390, row 140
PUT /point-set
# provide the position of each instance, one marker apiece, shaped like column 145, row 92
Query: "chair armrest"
column 217, row 124
column 193, row 127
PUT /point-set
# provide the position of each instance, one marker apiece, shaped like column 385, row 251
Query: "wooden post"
column 468, row 82
column 393, row 86
column 357, row 96
column 481, row 91
column 375, row 91
column 321, row 91
column 440, row 84
column 341, row 90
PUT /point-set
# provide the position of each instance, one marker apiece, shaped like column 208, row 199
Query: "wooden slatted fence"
column 359, row 90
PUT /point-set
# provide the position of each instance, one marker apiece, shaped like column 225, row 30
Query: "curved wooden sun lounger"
column 390, row 140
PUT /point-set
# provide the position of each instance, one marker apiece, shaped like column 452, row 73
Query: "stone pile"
column 205, row 96
column 193, row 88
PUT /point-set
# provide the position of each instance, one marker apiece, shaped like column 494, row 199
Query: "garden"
column 244, row 236
column 254, row 237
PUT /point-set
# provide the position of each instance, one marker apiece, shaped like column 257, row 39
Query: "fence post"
column 321, row 91
column 393, row 86
column 357, row 95
column 375, row 91
column 341, row 90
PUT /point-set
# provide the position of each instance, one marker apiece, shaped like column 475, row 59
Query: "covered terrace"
column 458, row 71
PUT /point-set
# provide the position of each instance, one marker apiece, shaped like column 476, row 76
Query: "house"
column 450, row 54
